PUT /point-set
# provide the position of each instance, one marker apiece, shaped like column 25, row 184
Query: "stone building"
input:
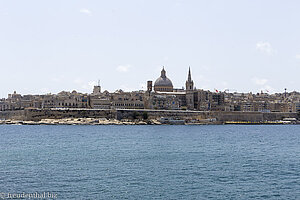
column 164, row 97
column 167, row 97
column 117, row 100
column 61, row 100
column 162, row 83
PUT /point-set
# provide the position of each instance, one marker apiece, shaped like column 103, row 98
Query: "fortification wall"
column 15, row 115
column 239, row 116
column 253, row 116
column 277, row 116
column 198, row 115
column 38, row 114
column 156, row 114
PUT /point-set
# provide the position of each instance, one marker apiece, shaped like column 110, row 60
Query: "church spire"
column 189, row 84
column 189, row 75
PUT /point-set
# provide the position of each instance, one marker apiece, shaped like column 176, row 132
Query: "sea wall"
column 199, row 115
column 240, row 116
column 253, row 116
column 38, row 114
column 156, row 114
column 281, row 115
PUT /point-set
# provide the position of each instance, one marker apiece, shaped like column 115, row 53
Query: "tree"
column 145, row 115
column 135, row 115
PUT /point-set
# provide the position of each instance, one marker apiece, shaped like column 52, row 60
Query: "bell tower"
column 189, row 87
column 189, row 84
column 97, row 89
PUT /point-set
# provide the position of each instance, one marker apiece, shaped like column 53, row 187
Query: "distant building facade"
column 162, row 95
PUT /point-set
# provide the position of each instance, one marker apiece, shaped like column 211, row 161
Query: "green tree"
column 145, row 115
column 135, row 115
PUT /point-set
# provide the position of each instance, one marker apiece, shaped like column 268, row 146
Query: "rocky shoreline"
column 104, row 121
column 81, row 121
column 100, row 121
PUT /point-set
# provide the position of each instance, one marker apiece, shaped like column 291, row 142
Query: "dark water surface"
column 152, row 162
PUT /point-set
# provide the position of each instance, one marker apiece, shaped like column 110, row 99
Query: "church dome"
column 163, row 83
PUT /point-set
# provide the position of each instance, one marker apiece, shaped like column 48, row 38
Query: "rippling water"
column 152, row 162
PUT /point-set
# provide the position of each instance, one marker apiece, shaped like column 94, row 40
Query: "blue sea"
column 151, row 162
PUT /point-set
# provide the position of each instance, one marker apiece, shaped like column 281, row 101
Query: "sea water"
column 151, row 162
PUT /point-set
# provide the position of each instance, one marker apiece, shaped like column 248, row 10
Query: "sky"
column 240, row 45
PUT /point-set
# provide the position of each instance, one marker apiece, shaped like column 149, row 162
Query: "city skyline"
column 144, row 88
column 244, row 46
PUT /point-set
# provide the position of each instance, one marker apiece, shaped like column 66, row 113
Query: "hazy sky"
column 241, row 45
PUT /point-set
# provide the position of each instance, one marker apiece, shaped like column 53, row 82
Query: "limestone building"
column 164, row 97
column 163, row 83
